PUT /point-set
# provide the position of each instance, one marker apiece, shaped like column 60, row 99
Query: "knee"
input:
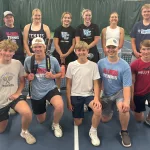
column 26, row 114
column 78, row 122
column 41, row 120
column 2, row 129
column 97, row 112
column 59, row 108
column 106, row 118
column 139, row 117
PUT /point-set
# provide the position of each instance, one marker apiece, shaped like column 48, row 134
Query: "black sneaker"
column 126, row 142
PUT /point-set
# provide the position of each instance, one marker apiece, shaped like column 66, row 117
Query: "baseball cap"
column 8, row 13
column 112, row 41
column 38, row 40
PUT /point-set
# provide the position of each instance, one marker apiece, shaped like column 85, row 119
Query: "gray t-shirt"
column 9, row 74
column 41, row 85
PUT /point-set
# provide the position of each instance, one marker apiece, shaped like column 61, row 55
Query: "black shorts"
column 78, row 105
column 39, row 106
column 139, row 102
column 4, row 111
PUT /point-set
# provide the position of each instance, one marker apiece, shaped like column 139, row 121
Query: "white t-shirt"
column 82, row 76
column 9, row 74
column 113, row 33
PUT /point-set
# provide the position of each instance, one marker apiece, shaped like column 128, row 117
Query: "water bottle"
column 63, row 70
column 90, row 56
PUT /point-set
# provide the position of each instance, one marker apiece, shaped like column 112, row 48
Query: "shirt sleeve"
column 56, row 33
column 133, row 31
column 133, row 66
column 68, row 72
column 21, row 71
column 77, row 32
column 96, row 30
column 127, row 77
column 57, row 66
column 96, row 74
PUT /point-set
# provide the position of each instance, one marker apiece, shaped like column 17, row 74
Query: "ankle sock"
column 93, row 129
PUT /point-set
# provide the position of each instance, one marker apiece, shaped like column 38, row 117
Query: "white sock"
column 55, row 124
column 24, row 131
column 59, row 90
column 93, row 129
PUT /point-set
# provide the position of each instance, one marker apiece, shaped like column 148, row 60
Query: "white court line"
column 76, row 138
column 127, row 41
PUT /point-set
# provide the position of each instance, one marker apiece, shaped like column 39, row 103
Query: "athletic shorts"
column 78, row 105
column 108, row 103
column 139, row 102
column 4, row 111
column 39, row 106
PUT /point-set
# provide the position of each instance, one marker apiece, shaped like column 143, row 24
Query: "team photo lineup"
column 93, row 83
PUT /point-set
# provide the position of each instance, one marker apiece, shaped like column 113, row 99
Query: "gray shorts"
column 108, row 103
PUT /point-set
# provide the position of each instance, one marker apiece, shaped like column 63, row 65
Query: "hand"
column 125, row 107
column 49, row 75
column 132, row 105
column 30, row 77
column 97, row 104
column 137, row 54
column 69, row 106
column 14, row 96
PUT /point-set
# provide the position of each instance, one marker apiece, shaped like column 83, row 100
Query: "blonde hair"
column 36, row 10
column 64, row 13
column 145, row 43
column 81, row 45
column 8, row 44
column 145, row 6
column 114, row 13
column 85, row 10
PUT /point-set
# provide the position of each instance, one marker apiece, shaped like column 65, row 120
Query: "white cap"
column 112, row 41
column 38, row 40
column 8, row 13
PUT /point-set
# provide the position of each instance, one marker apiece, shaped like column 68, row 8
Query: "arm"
column 19, row 90
column 121, row 41
column 133, row 45
column 50, row 75
column 68, row 92
column 47, row 31
column 71, row 48
column 77, row 38
column 96, row 90
column 25, row 39
column 95, row 42
column 103, row 40
column 56, row 44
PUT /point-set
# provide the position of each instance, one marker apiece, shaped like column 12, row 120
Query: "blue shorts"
column 78, row 105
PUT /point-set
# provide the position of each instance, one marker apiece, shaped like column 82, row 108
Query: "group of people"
column 123, row 85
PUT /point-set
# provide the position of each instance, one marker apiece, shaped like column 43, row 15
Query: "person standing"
column 35, row 29
column 64, row 42
column 9, row 31
column 140, row 32
column 90, row 33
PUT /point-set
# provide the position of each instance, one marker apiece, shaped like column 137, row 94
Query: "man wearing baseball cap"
column 116, row 78
column 43, row 85
column 9, row 31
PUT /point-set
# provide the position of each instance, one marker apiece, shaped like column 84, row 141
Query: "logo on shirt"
column 86, row 32
column 110, row 74
column 12, row 36
column 145, row 71
column 32, row 36
column 65, row 35
column 6, row 80
column 147, row 31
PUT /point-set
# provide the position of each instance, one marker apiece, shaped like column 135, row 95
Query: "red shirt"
column 142, row 77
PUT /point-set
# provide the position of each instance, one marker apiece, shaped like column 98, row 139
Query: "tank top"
column 33, row 34
column 113, row 33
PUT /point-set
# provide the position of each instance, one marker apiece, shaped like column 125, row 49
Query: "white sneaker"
column 57, row 130
column 85, row 108
column 94, row 138
column 30, row 139
column 12, row 111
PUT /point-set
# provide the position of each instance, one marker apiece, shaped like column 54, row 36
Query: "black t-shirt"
column 65, row 36
column 87, row 34
column 33, row 34
column 15, row 35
